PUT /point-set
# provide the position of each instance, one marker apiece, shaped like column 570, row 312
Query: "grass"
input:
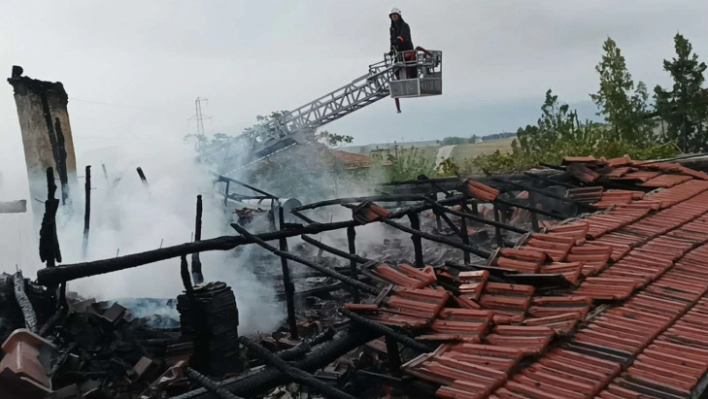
column 466, row 151
column 426, row 152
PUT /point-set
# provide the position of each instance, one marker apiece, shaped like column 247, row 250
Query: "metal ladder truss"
column 298, row 125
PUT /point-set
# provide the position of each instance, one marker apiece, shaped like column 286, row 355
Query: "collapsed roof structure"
column 584, row 280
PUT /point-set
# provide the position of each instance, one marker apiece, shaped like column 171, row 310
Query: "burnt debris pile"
column 574, row 281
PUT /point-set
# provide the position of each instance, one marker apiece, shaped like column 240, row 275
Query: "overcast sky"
column 147, row 61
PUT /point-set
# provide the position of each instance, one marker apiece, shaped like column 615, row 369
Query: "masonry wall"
column 46, row 136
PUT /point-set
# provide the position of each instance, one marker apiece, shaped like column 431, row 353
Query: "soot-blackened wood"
column 48, row 243
column 304, row 347
column 320, row 268
column 394, row 356
column 258, row 381
column 87, row 210
column 546, row 193
column 497, row 230
column 287, row 280
column 387, row 331
column 464, row 235
column 417, row 240
column 294, row 373
column 479, row 219
column 62, row 273
column 344, row 254
column 351, row 239
column 226, row 192
column 24, row 302
column 534, row 216
column 184, row 274
column 197, row 275
column 475, row 250
column 142, row 176
column 209, row 384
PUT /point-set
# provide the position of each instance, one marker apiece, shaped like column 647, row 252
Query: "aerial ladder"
column 399, row 75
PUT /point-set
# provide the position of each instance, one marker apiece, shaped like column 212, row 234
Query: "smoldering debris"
column 440, row 288
column 350, row 289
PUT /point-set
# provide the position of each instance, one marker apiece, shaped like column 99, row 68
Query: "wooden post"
column 351, row 238
column 287, row 281
column 87, row 209
column 197, row 275
column 417, row 241
column 497, row 230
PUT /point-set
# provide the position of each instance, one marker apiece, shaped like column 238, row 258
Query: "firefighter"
column 401, row 41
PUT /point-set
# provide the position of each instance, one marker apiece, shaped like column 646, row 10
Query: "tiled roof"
column 629, row 323
column 355, row 161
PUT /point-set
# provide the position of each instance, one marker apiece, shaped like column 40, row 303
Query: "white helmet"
column 395, row 10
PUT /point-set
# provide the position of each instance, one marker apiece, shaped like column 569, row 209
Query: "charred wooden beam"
column 547, row 194
column 465, row 237
column 320, row 268
column 353, row 257
column 75, row 271
column 482, row 220
column 550, row 180
column 184, row 274
column 303, row 217
column 304, row 347
column 49, row 251
column 87, row 209
column 387, row 331
column 142, row 176
column 226, row 193
column 351, row 240
column 497, row 229
column 24, row 302
column 287, row 281
column 394, row 356
column 475, row 250
column 552, row 214
column 197, row 275
column 294, row 373
column 417, row 239
column 209, row 384
column 316, row 291
column 259, row 380
column 374, row 198
column 259, row 191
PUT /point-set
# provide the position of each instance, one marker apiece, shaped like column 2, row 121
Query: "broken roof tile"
column 569, row 160
column 478, row 190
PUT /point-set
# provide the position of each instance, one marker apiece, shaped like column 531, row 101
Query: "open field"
column 465, row 151
column 428, row 153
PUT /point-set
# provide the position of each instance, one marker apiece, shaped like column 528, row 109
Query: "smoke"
column 129, row 217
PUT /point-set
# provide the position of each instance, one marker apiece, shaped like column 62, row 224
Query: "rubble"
column 481, row 292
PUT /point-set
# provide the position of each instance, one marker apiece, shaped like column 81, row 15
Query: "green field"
column 466, row 151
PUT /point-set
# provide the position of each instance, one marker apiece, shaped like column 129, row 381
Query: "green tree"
column 333, row 139
column 453, row 141
column 622, row 103
column 557, row 129
column 685, row 106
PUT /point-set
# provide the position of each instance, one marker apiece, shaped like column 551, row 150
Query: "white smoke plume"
column 127, row 217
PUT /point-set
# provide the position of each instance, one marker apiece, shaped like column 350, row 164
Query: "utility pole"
column 200, row 120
